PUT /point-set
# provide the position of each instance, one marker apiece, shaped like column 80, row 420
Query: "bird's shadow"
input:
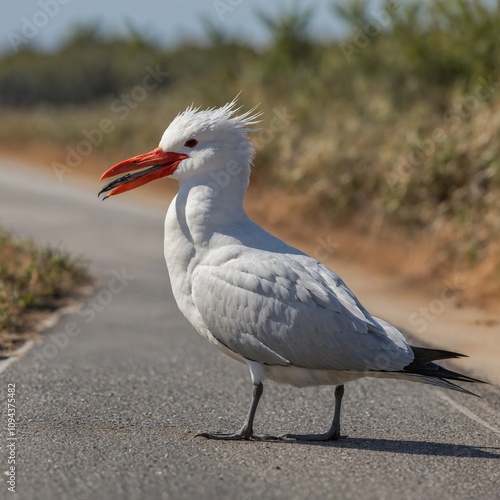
column 428, row 448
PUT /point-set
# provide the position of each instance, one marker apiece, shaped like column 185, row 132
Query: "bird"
column 262, row 302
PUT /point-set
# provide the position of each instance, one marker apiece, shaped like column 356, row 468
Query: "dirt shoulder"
column 388, row 274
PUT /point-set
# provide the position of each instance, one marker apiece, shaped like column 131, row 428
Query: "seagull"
column 259, row 300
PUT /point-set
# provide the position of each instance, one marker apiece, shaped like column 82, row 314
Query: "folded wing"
column 294, row 311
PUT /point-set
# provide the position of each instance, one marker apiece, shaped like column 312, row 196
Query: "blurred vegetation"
column 32, row 278
column 400, row 121
column 86, row 68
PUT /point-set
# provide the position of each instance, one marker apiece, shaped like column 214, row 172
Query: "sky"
column 45, row 23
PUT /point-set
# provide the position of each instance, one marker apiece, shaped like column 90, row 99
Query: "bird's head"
column 197, row 142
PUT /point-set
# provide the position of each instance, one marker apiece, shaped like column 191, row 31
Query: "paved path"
column 108, row 404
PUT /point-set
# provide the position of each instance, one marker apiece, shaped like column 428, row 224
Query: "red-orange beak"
column 162, row 164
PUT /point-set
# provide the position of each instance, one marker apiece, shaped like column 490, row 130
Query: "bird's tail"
column 425, row 370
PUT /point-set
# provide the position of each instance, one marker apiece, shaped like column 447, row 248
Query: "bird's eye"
column 191, row 143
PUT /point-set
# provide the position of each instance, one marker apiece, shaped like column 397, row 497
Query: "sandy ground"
column 435, row 316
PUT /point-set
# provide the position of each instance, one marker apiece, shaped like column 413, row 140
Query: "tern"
column 259, row 300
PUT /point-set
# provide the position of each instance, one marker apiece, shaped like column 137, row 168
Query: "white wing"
column 293, row 310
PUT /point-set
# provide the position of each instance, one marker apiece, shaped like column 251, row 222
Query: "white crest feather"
column 212, row 118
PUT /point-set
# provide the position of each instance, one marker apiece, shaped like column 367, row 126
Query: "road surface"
column 109, row 403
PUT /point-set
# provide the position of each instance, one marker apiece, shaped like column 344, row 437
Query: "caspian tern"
column 259, row 300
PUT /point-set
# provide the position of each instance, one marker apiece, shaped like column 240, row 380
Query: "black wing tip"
column 424, row 354
column 423, row 364
column 458, row 388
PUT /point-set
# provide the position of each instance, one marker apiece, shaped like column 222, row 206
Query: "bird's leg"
column 334, row 432
column 246, row 432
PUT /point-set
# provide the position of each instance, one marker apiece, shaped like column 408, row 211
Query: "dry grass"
column 33, row 279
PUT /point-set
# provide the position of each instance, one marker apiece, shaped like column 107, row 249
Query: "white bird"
column 259, row 300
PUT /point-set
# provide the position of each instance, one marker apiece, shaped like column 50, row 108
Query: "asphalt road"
column 109, row 403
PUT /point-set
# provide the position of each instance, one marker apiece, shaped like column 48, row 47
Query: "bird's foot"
column 327, row 436
column 238, row 436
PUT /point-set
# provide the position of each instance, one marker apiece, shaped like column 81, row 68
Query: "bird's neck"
column 210, row 202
